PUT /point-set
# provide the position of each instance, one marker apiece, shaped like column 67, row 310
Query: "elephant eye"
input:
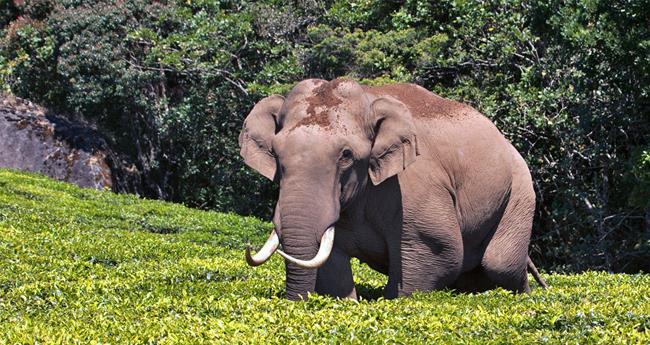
column 346, row 158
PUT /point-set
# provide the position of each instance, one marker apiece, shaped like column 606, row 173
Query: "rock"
column 34, row 139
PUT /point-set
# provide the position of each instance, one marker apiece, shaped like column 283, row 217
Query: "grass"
column 82, row 266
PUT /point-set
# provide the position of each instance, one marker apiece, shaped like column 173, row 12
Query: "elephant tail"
column 538, row 278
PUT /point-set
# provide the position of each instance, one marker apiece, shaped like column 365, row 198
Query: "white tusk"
column 265, row 252
column 326, row 244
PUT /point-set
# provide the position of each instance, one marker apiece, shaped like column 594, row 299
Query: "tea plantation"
column 81, row 266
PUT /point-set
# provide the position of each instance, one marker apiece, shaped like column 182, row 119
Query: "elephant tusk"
column 265, row 252
column 326, row 244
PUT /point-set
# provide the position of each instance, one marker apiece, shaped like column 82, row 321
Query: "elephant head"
column 322, row 144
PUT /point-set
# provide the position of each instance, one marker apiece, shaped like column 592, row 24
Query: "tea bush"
column 169, row 83
column 82, row 266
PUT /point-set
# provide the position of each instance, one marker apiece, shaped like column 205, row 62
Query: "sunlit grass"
column 77, row 265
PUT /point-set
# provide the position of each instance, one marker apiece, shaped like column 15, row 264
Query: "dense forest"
column 168, row 83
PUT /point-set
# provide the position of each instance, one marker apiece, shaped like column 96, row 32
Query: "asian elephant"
column 421, row 188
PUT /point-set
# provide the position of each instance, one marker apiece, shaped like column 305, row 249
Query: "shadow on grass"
column 369, row 292
column 159, row 229
column 364, row 292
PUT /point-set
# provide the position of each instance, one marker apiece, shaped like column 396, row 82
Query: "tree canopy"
column 169, row 83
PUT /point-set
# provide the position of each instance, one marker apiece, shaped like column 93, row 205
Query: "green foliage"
column 640, row 196
column 82, row 266
column 170, row 82
column 365, row 54
column 164, row 82
column 8, row 12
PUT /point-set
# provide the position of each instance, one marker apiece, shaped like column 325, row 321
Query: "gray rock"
column 34, row 139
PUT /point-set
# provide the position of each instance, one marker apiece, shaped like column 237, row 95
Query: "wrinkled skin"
column 421, row 188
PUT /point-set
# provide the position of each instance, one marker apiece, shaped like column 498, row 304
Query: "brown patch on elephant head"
column 421, row 102
column 322, row 99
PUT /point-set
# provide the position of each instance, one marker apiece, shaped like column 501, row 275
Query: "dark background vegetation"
column 169, row 83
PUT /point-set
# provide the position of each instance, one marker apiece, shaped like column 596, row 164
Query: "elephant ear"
column 258, row 132
column 395, row 143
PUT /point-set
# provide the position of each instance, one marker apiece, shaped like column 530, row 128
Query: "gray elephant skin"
column 421, row 188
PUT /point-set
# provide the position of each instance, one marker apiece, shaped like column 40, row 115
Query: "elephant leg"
column 432, row 264
column 334, row 278
column 392, row 288
column 506, row 255
column 431, row 253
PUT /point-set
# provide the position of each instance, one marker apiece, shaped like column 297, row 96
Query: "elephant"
column 421, row 188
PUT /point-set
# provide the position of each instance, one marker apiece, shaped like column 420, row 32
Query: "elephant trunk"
column 307, row 235
column 271, row 245
column 324, row 251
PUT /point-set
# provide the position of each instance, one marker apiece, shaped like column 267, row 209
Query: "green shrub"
column 8, row 12
column 82, row 266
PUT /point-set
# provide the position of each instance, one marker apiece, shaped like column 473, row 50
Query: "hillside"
column 169, row 83
column 78, row 265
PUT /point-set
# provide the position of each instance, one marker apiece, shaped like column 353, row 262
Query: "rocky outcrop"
column 34, row 139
